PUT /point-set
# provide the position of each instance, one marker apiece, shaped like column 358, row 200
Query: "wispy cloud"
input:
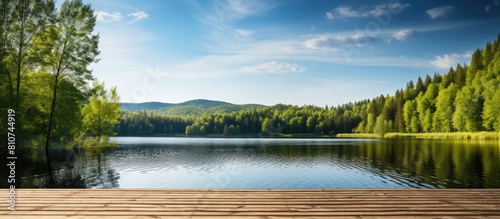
column 243, row 32
column 449, row 60
column 439, row 11
column 403, row 34
column 138, row 15
column 106, row 17
column 275, row 67
column 377, row 10
column 345, row 12
column 235, row 49
column 218, row 19
column 335, row 42
column 330, row 15
column 241, row 8
column 491, row 5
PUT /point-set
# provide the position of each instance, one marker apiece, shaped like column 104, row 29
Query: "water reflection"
column 72, row 169
column 277, row 163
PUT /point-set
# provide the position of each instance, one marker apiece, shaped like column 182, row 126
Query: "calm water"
column 277, row 163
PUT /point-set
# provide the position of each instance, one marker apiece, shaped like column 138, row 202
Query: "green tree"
column 398, row 118
column 410, row 116
column 491, row 112
column 419, row 87
column 422, row 106
column 467, row 116
column 427, row 122
column 66, row 49
column 37, row 107
column 476, row 64
column 445, row 106
column 101, row 114
column 487, row 54
column 360, row 128
column 370, row 123
column 426, row 105
column 27, row 19
column 268, row 126
column 21, row 22
column 382, row 126
column 437, row 78
column 449, row 78
column 461, row 111
column 311, row 123
column 460, row 76
column 319, row 128
column 428, row 81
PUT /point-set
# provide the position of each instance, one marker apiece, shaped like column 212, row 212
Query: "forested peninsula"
column 462, row 103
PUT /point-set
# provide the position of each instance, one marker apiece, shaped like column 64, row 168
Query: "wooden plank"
column 367, row 205
column 229, row 217
column 210, row 203
column 259, row 213
column 56, row 194
column 332, row 202
column 259, row 209
column 197, row 191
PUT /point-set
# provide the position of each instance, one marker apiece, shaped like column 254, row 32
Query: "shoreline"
column 437, row 135
column 276, row 135
column 391, row 135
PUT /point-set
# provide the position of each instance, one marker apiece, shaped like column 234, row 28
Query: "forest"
column 48, row 93
column 464, row 99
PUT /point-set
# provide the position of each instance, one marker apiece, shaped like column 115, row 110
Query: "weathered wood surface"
column 254, row 204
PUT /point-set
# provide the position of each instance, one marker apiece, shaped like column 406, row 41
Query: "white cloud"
column 449, row 60
column 394, row 8
column 276, row 67
column 377, row 10
column 329, row 15
column 243, row 32
column 334, row 42
column 346, row 12
column 138, row 15
column 105, row 17
column 403, row 34
column 490, row 5
column 439, row 11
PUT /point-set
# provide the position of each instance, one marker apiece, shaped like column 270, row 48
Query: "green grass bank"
column 452, row 135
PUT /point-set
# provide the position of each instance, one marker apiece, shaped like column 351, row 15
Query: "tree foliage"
column 45, row 55
column 101, row 114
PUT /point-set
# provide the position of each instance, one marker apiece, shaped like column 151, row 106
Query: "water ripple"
column 287, row 163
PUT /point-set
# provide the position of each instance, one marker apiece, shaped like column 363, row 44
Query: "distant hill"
column 132, row 107
column 202, row 103
column 192, row 107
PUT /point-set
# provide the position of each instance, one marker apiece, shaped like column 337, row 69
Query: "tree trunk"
column 49, row 129
column 11, row 88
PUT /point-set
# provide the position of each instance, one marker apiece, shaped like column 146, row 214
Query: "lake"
column 259, row 163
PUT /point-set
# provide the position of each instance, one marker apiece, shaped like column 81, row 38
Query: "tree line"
column 286, row 119
column 466, row 98
column 45, row 53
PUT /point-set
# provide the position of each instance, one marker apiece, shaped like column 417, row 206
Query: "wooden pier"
column 255, row 204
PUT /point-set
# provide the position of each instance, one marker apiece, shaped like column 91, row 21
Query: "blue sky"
column 291, row 51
